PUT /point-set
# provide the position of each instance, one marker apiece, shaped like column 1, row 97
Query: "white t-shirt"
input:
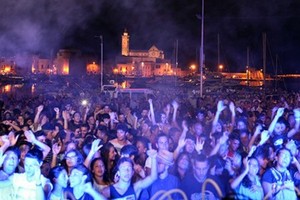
column 25, row 189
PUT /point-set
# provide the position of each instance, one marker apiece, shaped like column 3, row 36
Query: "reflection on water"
column 32, row 89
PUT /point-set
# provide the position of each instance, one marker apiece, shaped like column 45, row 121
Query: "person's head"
column 71, row 145
column 58, row 176
column 98, row 167
column 40, row 136
column 280, row 126
column 284, row 158
column 102, row 133
column 129, row 151
column 121, row 118
column 244, row 137
column 108, row 152
column 253, row 166
column 183, row 161
column 162, row 142
column 24, row 147
column 146, row 126
column 11, row 160
column 79, row 176
column 200, row 115
column 262, row 155
column 198, row 128
column 144, row 113
column 200, row 167
column 33, row 160
column 125, row 169
column 241, row 124
column 234, row 140
column 91, row 120
column 190, row 143
column 84, row 129
column 76, row 117
column 122, row 129
column 163, row 118
column 73, row 158
column 142, row 144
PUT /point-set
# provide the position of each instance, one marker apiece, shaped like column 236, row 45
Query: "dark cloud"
column 46, row 25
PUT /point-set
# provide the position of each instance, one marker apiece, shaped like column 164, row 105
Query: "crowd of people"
column 163, row 145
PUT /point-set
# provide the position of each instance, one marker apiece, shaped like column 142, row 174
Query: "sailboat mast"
column 264, row 59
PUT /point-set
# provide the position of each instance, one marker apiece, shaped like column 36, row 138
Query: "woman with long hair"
column 110, row 157
column 100, row 179
column 59, row 179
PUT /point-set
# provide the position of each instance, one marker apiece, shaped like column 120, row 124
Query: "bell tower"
column 125, row 43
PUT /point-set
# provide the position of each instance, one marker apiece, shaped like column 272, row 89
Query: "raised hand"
column 232, row 107
column 152, row 153
column 175, row 104
column 40, row 108
column 264, row 137
column 56, row 109
column 220, row 106
column 95, row 146
column 246, row 164
column 29, row 136
column 253, row 148
column 199, row 144
column 56, row 148
column 280, row 112
column 184, row 126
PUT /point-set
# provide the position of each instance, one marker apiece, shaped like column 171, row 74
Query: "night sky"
column 44, row 26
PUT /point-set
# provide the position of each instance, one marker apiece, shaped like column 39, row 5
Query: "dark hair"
column 129, row 149
column 122, row 126
column 246, row 181
column 35, row 154
column 15, row 150
column 123, row 160
column 201, row 158
column 161, row 135
column 80, row 158
column 105, row 175
column 85, row 171
column 54, row 173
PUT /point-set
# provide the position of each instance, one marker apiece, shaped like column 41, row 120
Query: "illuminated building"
column 7, row 66
column 143, row 63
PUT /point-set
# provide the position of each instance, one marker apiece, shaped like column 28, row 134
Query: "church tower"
column 125, row 43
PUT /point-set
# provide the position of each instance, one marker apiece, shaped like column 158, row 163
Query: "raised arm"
column 220, row 108
column 37, row 116
column 278, row 114
column 55, row 151
column 174, row 117
column 144, row 183
column 31, row 138
column 152, row 116
column 237, row 181
column 95, row 147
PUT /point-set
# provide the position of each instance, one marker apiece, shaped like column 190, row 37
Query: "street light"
column 221, row 68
